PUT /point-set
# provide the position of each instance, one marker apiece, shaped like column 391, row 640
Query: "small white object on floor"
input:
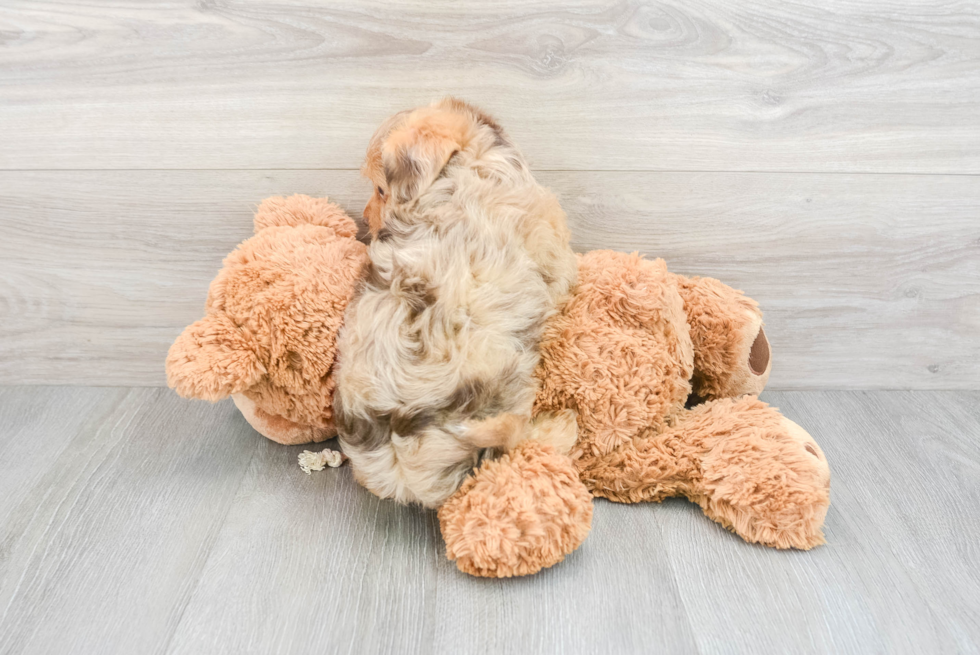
column 310, row 461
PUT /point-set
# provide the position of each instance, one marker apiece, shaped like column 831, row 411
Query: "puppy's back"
column 439, row 347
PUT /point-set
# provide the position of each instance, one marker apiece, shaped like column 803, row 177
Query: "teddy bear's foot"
column 517, row 514
column 748, row 467
column 731, row 352
column 763, row 476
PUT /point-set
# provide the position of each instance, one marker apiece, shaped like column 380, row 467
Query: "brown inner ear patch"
column 759, row 354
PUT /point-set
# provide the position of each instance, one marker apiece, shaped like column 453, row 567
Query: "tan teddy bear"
column 273, row 312
column 660, row 369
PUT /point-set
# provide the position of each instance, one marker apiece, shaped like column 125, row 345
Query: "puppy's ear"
column 415, row 153
column 212, row 359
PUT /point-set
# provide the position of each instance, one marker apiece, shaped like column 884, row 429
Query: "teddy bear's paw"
column 517, row 514
column 732, row 356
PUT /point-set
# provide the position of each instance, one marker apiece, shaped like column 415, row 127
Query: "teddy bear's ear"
column 304, row 210
column 212, row 359
column 415, row 153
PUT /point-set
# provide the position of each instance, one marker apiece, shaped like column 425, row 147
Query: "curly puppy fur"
column 469, row 258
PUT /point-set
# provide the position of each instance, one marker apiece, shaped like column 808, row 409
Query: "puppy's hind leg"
column 558, row 429
column 506, row 431
column 502, row 431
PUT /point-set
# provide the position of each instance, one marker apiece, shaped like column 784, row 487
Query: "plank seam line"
column 534, row 170
column 193, row 589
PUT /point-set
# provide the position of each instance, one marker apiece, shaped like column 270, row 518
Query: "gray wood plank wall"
column 823, row 157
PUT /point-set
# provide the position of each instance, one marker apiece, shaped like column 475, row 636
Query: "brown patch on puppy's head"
column 480, row 116
column 373, row 169
column 410, row 149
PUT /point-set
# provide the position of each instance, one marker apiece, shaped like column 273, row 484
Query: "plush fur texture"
column 273, row 313
column 470, row 257
column 731, row 353
column 618, row 362
column 619, row 352
column 748, row 467
column 623, row 353
column 523, row 512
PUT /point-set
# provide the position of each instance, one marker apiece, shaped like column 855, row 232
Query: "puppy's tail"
column 505, row 431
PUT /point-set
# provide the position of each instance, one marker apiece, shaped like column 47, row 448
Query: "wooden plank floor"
column 132, row 521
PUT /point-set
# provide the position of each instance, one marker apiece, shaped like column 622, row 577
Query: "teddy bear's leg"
column 517, row 514
column 731, row 353
column 749, row 468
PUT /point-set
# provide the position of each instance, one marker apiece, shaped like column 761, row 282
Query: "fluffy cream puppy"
column 469, row 257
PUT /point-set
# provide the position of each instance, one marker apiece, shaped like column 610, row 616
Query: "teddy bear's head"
column 273, row 313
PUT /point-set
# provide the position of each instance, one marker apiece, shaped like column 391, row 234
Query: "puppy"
column 469, row 257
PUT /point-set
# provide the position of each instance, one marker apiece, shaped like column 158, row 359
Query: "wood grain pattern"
column 145, row 523
column 891, row 532
column 104, row 541
column 616, row 594
column 866, row 281
column 824, row 157
column 911, row 462
column 313, row 563
column 850, row 85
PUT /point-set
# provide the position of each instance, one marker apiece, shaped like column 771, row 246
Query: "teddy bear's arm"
column 731, row 352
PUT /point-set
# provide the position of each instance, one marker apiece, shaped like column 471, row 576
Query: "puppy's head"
column 410, row 149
